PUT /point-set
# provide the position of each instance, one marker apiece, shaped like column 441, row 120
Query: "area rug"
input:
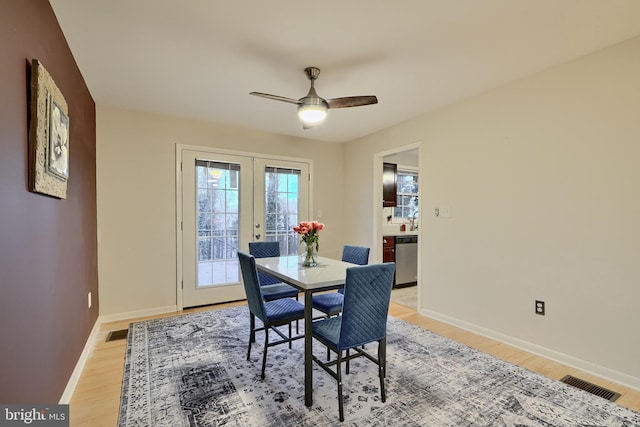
column 191, row 370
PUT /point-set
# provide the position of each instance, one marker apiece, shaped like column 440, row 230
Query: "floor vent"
column 117, row 335
column 591, row 388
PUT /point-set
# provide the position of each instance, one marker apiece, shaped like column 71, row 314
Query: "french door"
column 229, row 200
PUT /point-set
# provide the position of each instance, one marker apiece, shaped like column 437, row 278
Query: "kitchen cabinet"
column 389, row 251
column 389, row 184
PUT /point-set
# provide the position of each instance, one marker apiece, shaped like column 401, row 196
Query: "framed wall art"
column 48, row 136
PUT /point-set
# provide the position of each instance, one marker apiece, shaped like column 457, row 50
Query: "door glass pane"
column 217, row 215
column 281, row 207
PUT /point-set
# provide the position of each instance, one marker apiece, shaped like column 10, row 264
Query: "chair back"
column 355, row 254
column 265, row 250
column 251, row 284
column 367, row 292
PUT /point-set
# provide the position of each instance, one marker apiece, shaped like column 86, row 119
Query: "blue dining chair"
column 367, row 292
column 270, row 287
column 330, row 303
column 274, row 313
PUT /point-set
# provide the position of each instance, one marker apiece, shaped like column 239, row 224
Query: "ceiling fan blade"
column 275, row 97
column 352, row 101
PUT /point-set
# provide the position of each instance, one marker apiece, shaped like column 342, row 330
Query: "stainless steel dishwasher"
column 406, row 260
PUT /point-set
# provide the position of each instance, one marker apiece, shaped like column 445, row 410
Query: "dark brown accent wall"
column 48, row 247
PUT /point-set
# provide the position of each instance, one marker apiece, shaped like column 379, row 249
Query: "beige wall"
column 542, row 179
column 137, row 208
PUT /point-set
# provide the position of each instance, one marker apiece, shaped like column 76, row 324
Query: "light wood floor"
column 96, row 399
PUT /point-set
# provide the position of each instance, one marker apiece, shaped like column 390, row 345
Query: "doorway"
column 389, row 221
column 227, row 200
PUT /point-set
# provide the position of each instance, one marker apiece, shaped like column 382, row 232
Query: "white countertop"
column 399, row 233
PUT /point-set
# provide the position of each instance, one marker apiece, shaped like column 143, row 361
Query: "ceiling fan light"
column 312, row 114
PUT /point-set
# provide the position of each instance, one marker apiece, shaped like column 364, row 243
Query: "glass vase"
column 310, row 255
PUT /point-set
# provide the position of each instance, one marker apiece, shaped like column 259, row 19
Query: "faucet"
column 413, row 226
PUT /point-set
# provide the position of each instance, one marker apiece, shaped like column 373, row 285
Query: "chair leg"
column 297, row 326
column 329, row 351
column 264, row 353
column 382, row 362
column 339, row 378
column 252, row 325
column 252, row 333
column 347, row 370
column 290, row 335
column 384, row 355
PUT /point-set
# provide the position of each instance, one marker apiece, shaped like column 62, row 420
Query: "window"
column 217, row 213
column 407, row 195
column 281, row 205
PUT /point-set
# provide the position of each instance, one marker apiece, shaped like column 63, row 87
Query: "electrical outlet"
column 89, row 300
column 540, row 307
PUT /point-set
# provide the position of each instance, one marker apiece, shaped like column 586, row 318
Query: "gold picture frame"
column 48, row 136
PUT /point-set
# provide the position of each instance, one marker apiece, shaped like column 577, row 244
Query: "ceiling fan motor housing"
column 312, row 109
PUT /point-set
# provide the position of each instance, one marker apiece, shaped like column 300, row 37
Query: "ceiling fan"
column 312, row 109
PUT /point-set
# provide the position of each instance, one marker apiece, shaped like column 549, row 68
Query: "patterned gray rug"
column 191, row 370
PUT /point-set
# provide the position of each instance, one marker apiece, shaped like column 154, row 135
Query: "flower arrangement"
column 309, row 232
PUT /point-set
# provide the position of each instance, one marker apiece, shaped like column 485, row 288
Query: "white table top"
column 328, row 274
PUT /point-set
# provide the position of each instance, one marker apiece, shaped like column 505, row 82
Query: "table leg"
column 308, row 342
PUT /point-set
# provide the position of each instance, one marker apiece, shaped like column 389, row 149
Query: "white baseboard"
column 138, row 313
column 65, row 399
column 93, row 338
column 583, row 365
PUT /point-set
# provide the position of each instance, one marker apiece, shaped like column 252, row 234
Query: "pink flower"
column 316, row 226
column 309, row 230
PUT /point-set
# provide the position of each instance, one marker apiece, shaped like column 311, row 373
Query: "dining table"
column 328, row 274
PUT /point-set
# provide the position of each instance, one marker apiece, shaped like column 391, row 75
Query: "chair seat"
column 329, row 303
column 283, row 310
column 328, row 330
column 277, row 291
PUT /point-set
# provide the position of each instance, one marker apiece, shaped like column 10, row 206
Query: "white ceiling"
column 201, row 58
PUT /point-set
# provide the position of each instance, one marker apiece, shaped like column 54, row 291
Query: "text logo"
column 34, row 415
